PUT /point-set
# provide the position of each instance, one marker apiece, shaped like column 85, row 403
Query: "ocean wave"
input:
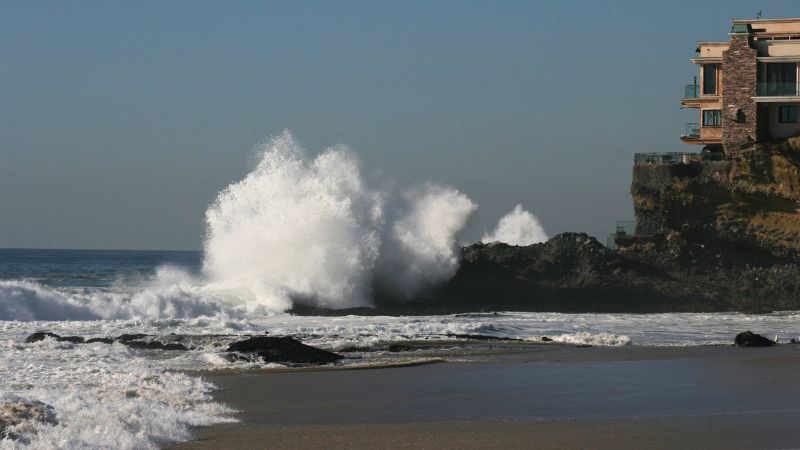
column 169, row 294
column 587, row 338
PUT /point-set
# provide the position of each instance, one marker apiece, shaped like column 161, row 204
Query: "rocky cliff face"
column 731, row 227
column 746, row 208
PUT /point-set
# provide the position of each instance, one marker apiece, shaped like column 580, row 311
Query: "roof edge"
column 796, row 19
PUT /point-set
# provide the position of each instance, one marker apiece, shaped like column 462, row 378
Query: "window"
column 787, row 114
column 712, row 118
column 709, row 79
column 781, row 79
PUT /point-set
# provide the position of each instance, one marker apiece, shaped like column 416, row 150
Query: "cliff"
column 748, row 204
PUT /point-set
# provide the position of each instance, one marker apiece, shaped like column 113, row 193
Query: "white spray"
column 519, row 227
column 295, row 228
column 311, row 228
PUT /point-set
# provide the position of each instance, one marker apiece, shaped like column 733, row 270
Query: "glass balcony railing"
column 692, row 91
column 692, row 130
column 770, row 89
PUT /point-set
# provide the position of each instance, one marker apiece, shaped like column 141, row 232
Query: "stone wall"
column 739, row 70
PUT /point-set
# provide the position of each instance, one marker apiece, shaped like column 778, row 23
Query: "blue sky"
column 119, row 121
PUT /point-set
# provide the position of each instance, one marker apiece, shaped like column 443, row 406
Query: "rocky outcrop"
column 141, row 341
column 41, row 335
column 282, row 350
column 747, row 204
column 731, row 228
column 750, row 339
column 572, row 272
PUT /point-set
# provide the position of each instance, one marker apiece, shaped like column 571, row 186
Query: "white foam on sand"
column 99, row 396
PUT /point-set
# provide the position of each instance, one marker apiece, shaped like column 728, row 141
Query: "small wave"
column 28, row 301
column 586, row 338
column 171, row 293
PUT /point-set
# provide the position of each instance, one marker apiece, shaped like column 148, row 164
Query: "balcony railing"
column 692, row 130
column 692, row 91
column 769, row 89
column 664, row 157
column 626, row 227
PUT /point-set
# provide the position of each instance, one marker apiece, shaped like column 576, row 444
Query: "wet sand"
column 551, row 396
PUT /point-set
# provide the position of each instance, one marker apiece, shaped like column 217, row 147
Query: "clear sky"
column 119, row 121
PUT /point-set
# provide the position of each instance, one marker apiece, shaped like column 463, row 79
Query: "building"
column 747, row 88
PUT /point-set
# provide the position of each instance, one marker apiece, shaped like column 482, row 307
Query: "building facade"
column 747, row 89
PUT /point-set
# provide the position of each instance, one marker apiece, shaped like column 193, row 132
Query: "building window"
column 709, row 79
column 781, row 80
column 787, row 114
column 712, row 118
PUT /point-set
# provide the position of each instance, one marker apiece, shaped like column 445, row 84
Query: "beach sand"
column 548, row 396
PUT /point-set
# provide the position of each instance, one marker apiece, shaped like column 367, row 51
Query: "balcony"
column 692, row 91
column 693, row 96
column 692, row 131
column 771, row 89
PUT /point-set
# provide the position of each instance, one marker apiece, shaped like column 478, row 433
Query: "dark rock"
column 153, row 345
column 283, row 350
column 131, row 337
column 397, row 348
column 41, row 335
column 546, row 339
column 481, row 337
column 750, row 339
column 101, row 340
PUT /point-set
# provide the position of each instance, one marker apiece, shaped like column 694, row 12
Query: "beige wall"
column 792, row 26
column 710, row 133
column 778, row 48
column 711, row 49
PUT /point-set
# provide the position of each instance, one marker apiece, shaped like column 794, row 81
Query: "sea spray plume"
column 420, row 247
column 519, row 227
column 310, row 229
column 294, row 227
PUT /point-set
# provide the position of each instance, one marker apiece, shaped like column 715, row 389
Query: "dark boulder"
column 101, row 340
column 750, row 339
column 154, row 345
column 546, row 339
column 480, row 337
column 283, row 350
column 131, row 337
column 41, row 335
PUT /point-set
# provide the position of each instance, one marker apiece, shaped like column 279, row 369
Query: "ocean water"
column 99, row 395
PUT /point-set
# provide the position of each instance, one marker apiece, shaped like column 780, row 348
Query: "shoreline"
column 553, row 396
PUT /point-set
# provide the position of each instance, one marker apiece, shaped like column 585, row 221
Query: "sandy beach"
column 548, row 396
